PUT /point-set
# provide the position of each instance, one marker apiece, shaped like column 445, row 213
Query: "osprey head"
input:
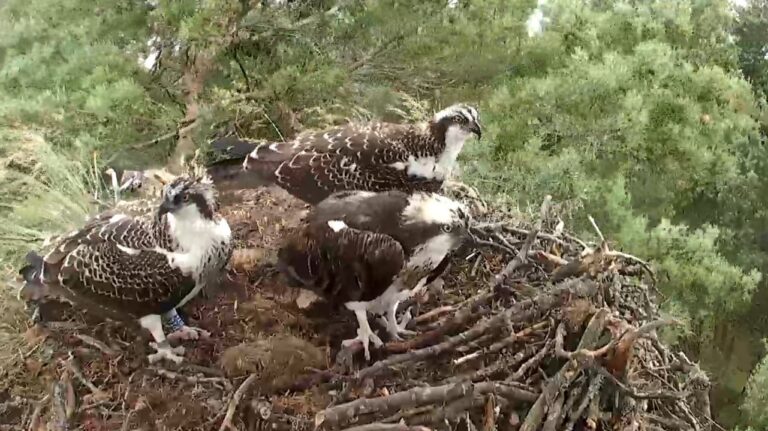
column 433, row 209
column 189, row 195
column 461, row 119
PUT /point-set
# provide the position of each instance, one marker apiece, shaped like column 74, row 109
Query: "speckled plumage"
column 129, row 266
column 374, row 157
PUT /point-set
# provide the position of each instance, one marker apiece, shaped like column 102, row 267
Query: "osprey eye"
column 447, row 228
column 186, row 198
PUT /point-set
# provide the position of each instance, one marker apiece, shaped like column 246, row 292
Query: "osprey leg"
column 395, row 328
column 154, row 324
column 180, row 330
column 364, row 334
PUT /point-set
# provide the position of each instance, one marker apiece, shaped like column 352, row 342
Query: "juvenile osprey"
column 369, row 251
column 140, row 267
column 372, row 157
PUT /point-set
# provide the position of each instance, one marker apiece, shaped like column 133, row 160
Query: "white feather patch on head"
column 466, row 111
column 336, row 225
column 432, row 208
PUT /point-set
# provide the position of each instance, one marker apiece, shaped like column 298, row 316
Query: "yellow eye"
column 186, row 198
column 447, row 228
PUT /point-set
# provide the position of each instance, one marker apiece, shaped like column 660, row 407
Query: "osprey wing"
column 345, row 265
column 356, row 157
column 310, row 167
column 116, row 263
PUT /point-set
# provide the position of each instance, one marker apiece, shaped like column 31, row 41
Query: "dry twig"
column 236, row 398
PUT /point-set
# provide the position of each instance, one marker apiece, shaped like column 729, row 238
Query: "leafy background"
column 649, row 115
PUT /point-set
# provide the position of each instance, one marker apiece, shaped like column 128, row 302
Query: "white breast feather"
column 440, row 167
column 336, row 225
column 196, row 237
column 431, row 253
column 455, row 138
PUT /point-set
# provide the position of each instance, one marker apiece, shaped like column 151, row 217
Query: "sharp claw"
column 383, row 321
column 189, row 333
column 395, row 328
column 166, row 352
column 407, row 316
column 366, row 338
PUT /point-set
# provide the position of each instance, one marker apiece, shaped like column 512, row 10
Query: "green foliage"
column 634, row 112
column 698, row 29
column 72, row 69
column 755, row 404
column 638, row 116
column 59, row 194
column 44, row 192
column 751, row 31
column 698, row 277
column 316, row 66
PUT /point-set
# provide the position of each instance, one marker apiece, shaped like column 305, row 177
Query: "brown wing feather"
column 349, row 265
column 134, row 284
column 354, row 157
column 92, row 269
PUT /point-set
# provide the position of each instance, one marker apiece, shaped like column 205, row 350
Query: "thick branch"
column 345, row 413
column 236, row 398
column 566, row 375
column 521, row 312
column 386, row 427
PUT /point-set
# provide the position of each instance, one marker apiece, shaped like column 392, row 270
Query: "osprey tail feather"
column 33, row 288
column 230, row 173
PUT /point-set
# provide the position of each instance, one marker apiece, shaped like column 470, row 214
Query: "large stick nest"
column 534, row 330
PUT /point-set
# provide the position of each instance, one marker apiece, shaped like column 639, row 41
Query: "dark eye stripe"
column 467, row 115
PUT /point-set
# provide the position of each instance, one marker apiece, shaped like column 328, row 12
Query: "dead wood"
column 236, row 398
column 417, row 397
column 387, row 427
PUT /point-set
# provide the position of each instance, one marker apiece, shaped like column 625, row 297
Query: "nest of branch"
column 562, row 338
column 534, row 330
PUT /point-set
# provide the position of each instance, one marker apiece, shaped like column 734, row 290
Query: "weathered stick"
column 162, row 372
column 236, row 398
column 59, row 407
column 34, row 421
column 467, row 312
column 566, row 375
column 502, row 344
column 522, row 256
column 523, row 311
column 344, row 413
column 387, row 427
column 74, row 369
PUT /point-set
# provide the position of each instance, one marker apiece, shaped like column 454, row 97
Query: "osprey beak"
column 475, row 128
column 165, row 207
column 470, row 236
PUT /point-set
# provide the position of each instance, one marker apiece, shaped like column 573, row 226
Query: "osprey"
column 142, row 267
column 372, row 157
column 371, row 250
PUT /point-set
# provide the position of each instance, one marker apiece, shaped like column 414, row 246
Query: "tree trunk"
column 193, row 83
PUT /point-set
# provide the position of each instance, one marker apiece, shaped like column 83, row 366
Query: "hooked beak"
column 475, row 128
column 165, row 207
column 470, row 236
